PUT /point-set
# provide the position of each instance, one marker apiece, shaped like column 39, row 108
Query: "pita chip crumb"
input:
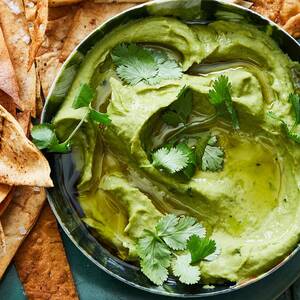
column 42, row 264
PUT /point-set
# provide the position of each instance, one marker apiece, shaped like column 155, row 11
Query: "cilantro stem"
column 76, row 128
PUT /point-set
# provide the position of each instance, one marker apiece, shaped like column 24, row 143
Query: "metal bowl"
column 62, row 197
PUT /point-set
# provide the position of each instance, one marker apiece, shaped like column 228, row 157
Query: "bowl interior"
column 62, row 198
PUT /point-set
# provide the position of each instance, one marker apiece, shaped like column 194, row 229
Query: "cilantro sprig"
column 220, row 97
column 179, row 110
column 162, row 248
column 182, row 159
column 136, row 64
column 44, row 136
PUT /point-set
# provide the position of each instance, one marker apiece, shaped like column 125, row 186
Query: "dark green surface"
column 93, row 283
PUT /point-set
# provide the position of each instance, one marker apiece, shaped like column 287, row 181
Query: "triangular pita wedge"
column 290, row 8
column 18, row 219
column 8, row 81
column 21, row 163
column 48, row 66
column 88, row 17
column 44, row 242
column 39, row 22
column 269, row 9
column 16, row 35
column 292, row 26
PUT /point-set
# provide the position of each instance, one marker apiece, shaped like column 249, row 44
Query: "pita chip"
column 23, row 119
column 48, row 66
column 18, row 219
column 38, row 30
column 21, row 163
column 42, row 264
column 290, row 8
column 8, row 80
column 268, row 8
column 16, row 35
column 292, row 26
column 88, row 17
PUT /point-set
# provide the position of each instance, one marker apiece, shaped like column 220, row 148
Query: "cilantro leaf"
column 155, row 257
column 209, row 156
column 179, row 110
column 190, row 169
column 167, row 68
column 212, row 159
column 295, row 100
column 173, row 159
column 182, row 268
column 200, row 248
column 43, row 136
column 176, row 231
column 135, row 64
column 99, row 117
column 84, row 97
column 220, row 96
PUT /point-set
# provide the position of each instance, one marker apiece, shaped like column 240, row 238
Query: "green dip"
column 250, row 208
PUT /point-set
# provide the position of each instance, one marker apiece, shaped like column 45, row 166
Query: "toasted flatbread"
column 88, row 17
column 21, row 163
column 268, row 8
column 23, row 119
column 8, row 80
column 48, row 66
column 292, row 26
column 16, row 35
column 290, row 8
column 18, row 219
column 47, row 62
column 42, row 264
column 39, row 29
